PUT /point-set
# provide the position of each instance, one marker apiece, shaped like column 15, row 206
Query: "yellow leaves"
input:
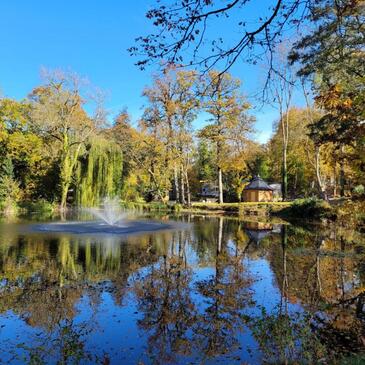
column 13, row 114
column 26, row 146
column 3, row 135
column 334, row 99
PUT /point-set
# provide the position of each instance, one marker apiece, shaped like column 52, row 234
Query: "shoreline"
column 347, row 212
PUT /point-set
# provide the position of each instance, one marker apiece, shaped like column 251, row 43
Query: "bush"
column 359, row 190
column 310, row 208
column 8, row 207
column 39, row 206
column 176, row 208
column 10, row 194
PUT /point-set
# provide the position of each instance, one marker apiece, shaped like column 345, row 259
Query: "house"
column 258, row 191
column 209, row 193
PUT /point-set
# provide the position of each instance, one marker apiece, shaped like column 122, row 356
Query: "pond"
column 213, row 290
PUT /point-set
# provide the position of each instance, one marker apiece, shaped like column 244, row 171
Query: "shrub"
column 10, row 194
column 359, row 190
column 39, row 206
column 177, row 207
column 310, row 208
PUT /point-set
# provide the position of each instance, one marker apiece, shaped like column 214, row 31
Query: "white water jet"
column 110, row 211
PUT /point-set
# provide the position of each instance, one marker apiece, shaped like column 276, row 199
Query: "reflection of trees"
column 65, row 345
column 164, row 298
column 286, row 337
column 181, row 315
column 226, row 294
column 44, row 279
column 283, row 336
column 319, row 271
column 203, row 235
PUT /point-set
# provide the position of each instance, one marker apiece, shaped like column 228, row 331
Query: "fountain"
column 112, row 220
column 111, row 213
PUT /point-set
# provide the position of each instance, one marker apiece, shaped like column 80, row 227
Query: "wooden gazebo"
column 257, row 191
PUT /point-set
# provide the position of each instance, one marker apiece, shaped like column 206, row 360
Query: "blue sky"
column 91, row 37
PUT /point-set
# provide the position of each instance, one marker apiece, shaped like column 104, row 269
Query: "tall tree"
column 332, row 55
column 173, row 105
column 57, row 112
column 281, row 88
column 228, row 111
column 187, row 106
column 312, row 116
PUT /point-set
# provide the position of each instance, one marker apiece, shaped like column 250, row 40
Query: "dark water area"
column 213, row 290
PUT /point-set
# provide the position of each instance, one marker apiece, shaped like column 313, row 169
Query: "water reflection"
column 222, row 290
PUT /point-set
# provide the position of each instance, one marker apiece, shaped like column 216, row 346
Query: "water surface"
column 215, row 291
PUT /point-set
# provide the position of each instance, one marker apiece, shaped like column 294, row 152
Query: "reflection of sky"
column 13, row 330
column 265, row 290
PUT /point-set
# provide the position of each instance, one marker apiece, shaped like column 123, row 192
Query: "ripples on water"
column 216, row 291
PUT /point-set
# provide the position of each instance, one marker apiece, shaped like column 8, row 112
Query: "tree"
column 99, row 172
column 187, row 106
column 301, row 155
column 229, row 122
column 19, row 144
column 312, row 117
column 185, row 25
column 205, row 164
column 281, row 89
column 173, row 105
column 58, row 114
column 9, row 188
column 332, row 55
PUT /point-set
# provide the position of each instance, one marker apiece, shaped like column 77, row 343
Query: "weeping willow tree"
column 99, row 172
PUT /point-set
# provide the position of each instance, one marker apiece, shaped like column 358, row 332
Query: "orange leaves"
column 334, row 99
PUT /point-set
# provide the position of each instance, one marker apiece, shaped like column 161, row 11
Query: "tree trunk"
column 220, row 185
column 65, row 179
column 64, row 191
column 335, row 180
column 342, row 179
column 188, row 194
column 67, row 168
column 183, row 201
column 342, row 173
column 176, row 184
column 285, row 134
column 321, row 188
column 284, row 188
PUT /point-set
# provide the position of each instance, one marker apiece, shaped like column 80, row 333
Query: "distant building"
column 209, row 192
column 258, row 191
column 276, row 191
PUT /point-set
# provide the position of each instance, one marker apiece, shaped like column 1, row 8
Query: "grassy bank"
column 347, row 213
column 313, row 209
column 247, row 208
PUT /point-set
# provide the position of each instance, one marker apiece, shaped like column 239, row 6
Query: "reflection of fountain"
column 111, row 212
